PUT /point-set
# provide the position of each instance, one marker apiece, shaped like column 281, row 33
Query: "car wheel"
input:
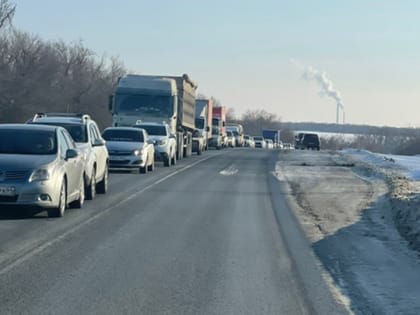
column 151, row 167
column 167, row 161
column 91, row 188
column 143, row 170
column 79, row 202
column 62, row 203
column 103, row 184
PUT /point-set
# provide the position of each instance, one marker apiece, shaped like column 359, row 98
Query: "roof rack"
column 84, row 117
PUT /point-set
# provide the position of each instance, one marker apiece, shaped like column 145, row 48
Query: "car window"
column 39, row 142
column 153, row 130
column 62, row 143
column 123, row 135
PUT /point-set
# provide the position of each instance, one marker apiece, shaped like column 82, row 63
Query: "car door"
column 74, row 168
column 100, row 151
column 149, row 147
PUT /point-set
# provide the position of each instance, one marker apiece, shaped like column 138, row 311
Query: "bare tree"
column 7, row 11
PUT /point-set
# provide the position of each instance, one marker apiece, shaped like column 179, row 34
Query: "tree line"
column 51, row 76
column 54, row 76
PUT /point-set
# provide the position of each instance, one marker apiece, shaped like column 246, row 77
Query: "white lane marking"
column 231, row 170
column 44, row 246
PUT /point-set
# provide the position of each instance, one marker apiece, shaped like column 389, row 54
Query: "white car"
column 163, row 140
column 86, row 135
column 269, row 144
column 259, row 142
column 129, row 148
column 231, row 141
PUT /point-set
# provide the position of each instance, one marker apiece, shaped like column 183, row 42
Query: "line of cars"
column 57, row 160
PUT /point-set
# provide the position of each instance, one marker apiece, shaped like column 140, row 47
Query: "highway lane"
column 202, row 238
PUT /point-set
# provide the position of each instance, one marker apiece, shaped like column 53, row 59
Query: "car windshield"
column 153, row 130
column 36, row 142
column 123, row 135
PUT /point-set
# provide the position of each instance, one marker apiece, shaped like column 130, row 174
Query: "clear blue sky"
column 240, row 51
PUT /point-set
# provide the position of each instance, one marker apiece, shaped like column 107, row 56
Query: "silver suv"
column 165, row 143
column 86, row 134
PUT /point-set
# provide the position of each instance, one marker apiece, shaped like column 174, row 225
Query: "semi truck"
column 272, row 134
column 203, row 119
column 219, row 138
column 159, row 99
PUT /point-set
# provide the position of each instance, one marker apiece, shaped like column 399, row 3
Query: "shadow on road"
column 20, row 213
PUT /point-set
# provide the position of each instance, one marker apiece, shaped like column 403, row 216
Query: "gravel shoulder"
column 353, row 214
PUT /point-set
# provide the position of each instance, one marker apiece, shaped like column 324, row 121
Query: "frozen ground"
column 353, row 205
column 402, row 174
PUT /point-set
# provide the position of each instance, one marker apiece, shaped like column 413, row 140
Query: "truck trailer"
column 159, row 99
column 272, row 134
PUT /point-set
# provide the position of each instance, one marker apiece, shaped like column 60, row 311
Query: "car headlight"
column 40, row 175
column 162, row 142
column 137, row 152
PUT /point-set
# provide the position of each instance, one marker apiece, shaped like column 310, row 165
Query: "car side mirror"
column 71, row 154
column 98, row 142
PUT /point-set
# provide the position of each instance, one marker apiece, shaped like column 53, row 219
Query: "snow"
column 408, row 166
column 361, row 212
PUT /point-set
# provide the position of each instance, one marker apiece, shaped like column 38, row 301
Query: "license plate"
column 7, row 191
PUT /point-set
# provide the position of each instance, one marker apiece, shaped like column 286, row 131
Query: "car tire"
column 167, row 161
column 102, row 186
column 143, row 170
column 151, row 167
column 79, row 202
column 62, row 204
column 91, row 188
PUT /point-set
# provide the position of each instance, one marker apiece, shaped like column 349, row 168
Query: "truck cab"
column 154, row 98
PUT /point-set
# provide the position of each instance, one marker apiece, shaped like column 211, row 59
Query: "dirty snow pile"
column 402, row 174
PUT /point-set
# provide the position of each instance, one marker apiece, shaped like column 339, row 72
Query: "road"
column 213, row 235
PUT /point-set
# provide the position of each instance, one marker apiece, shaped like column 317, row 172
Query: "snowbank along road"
column 346, row 209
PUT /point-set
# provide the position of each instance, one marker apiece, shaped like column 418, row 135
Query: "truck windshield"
column 154, row 105
column 199, row 123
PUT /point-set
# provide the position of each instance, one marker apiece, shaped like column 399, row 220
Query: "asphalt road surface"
column 213, row 235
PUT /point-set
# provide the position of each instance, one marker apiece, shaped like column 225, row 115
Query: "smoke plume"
column 324, row 83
